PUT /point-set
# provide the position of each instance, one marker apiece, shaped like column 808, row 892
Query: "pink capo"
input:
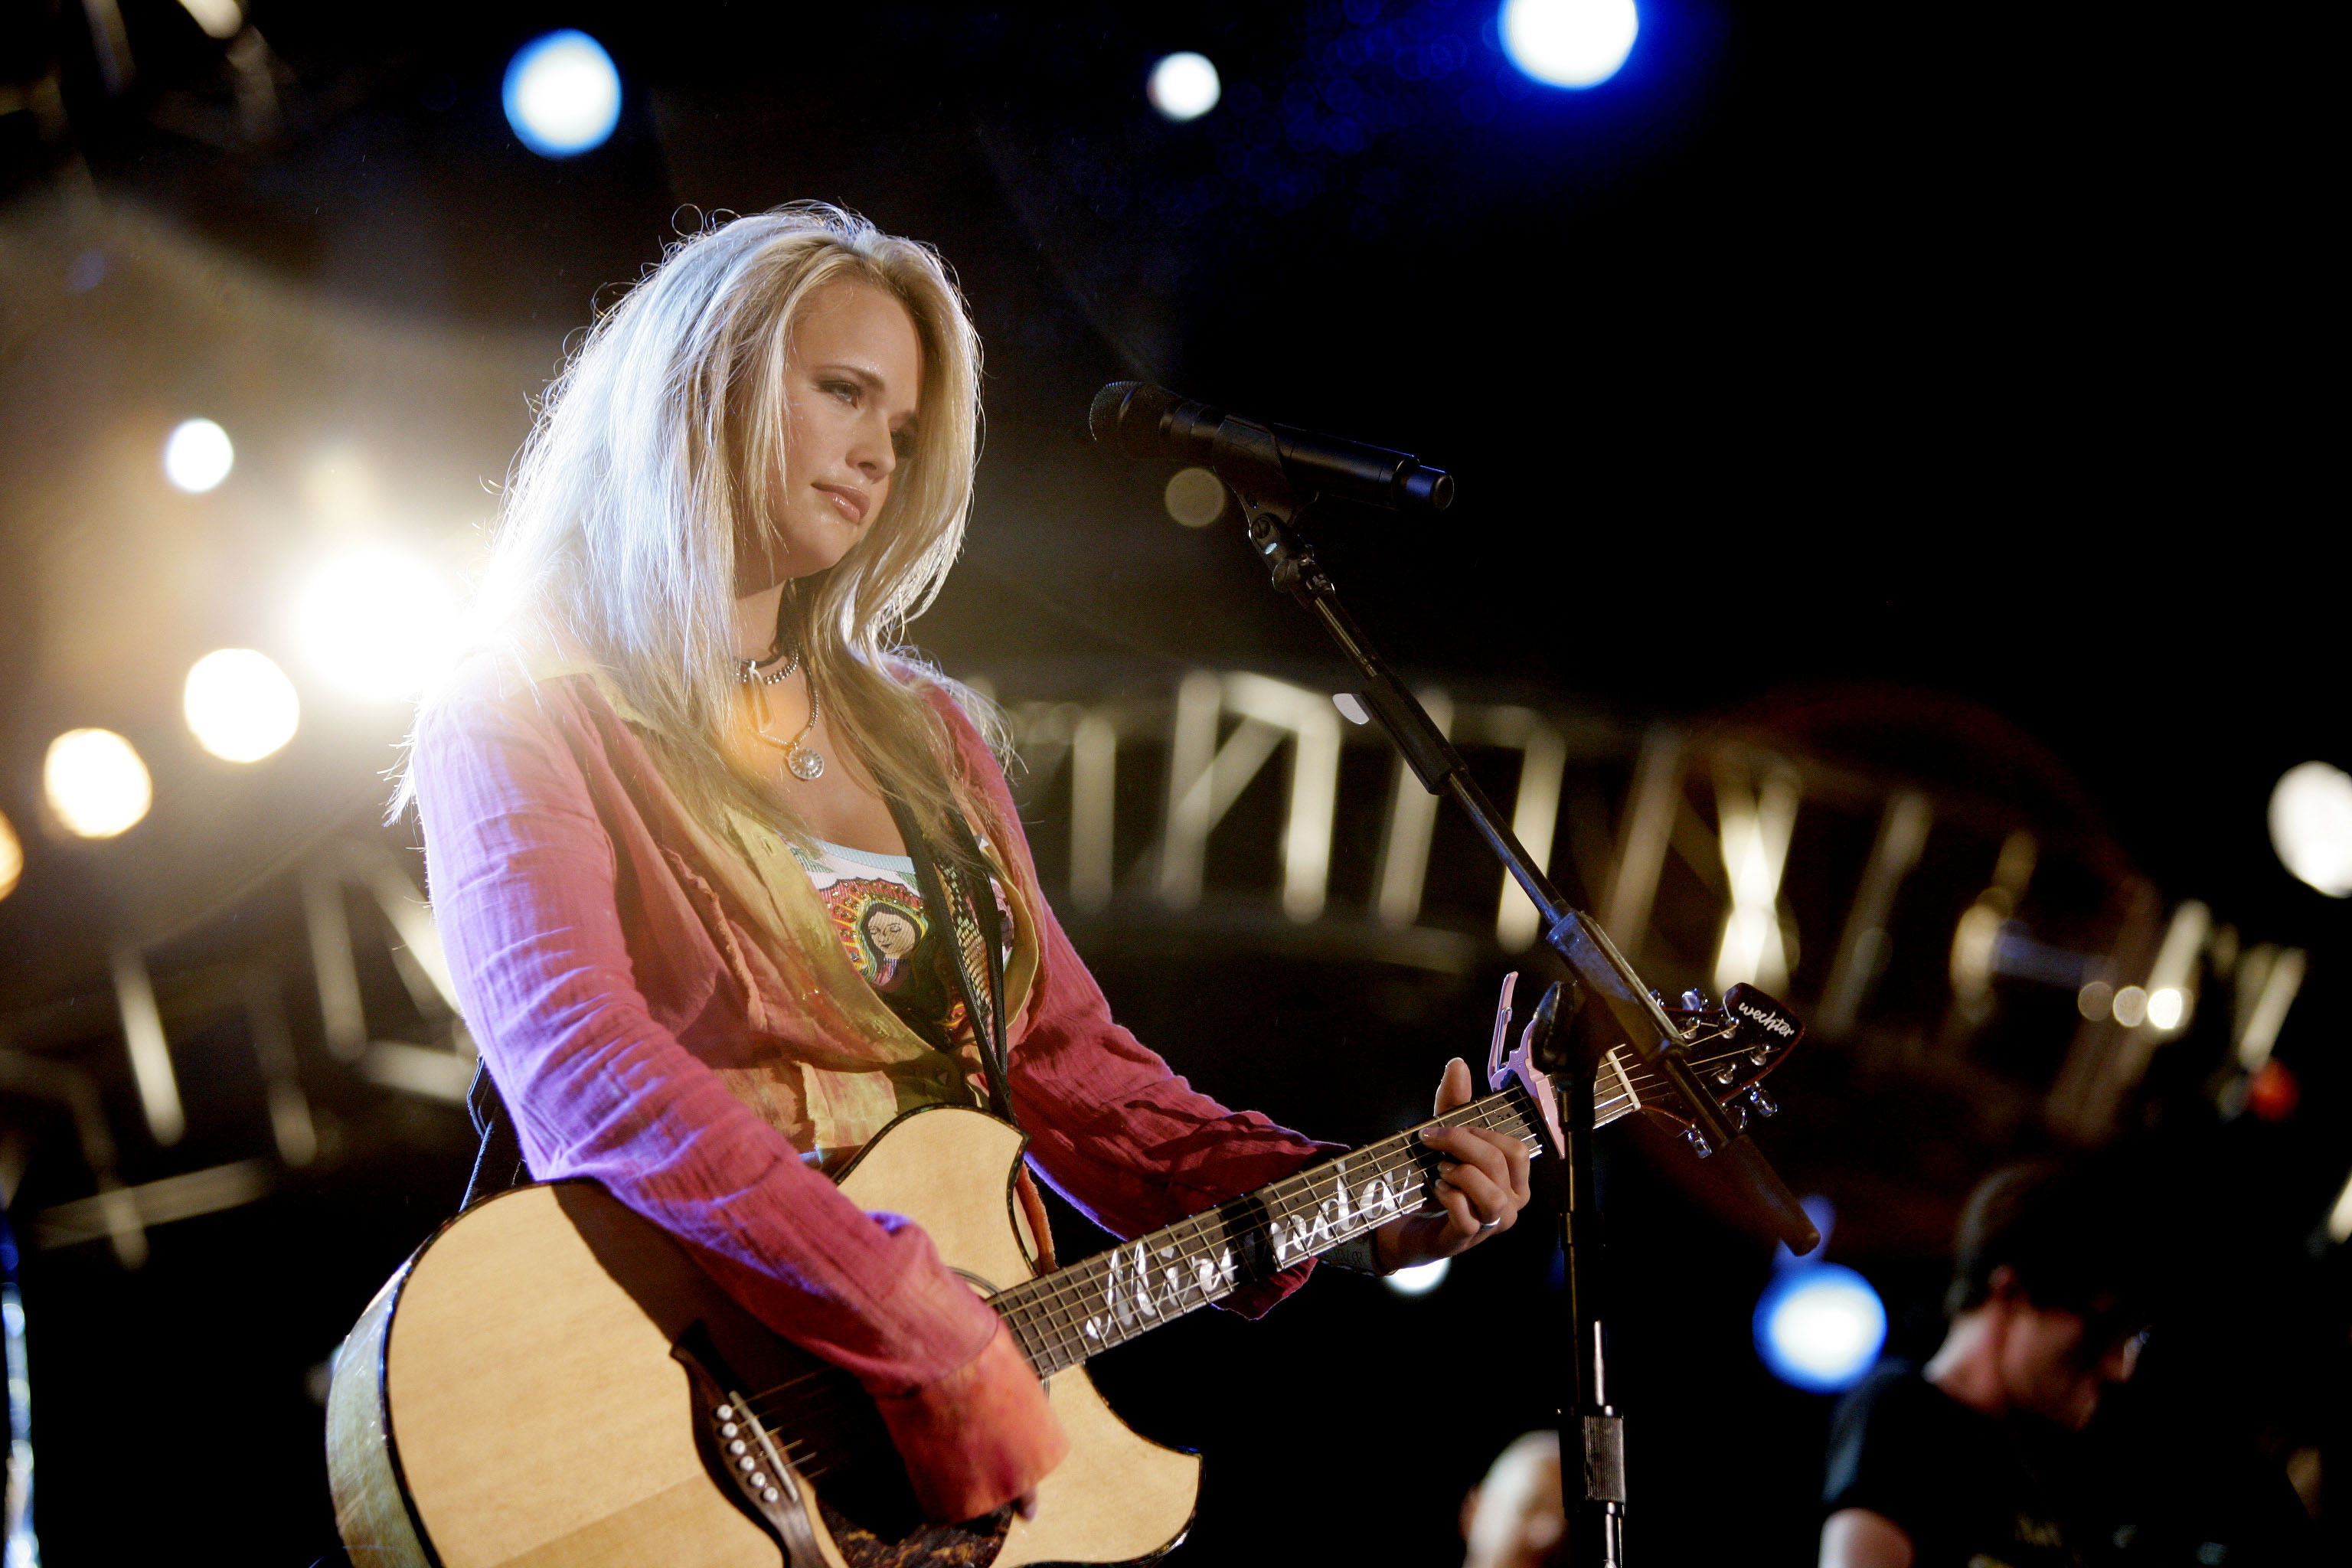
column 1521, row 1064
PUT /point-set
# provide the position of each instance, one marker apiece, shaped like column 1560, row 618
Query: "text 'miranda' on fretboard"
column 1068, row 1315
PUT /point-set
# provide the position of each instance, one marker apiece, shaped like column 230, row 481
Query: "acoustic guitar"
column 548, row 1383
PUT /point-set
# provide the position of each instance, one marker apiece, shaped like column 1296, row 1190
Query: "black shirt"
column 1970, row 1491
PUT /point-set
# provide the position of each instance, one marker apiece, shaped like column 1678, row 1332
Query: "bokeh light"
column 2311, row 826
column 563, row 95
column 240, row 705
column 2166, row 1007
column 1194, row 497
column 2274, row 1091
column 1420, row 1279
column 198, row 456
column 377, row 622
column 1570, row 43
column 1184, row 85
column 95, row 783
column 220, row 18
column 1820, row 1327
column 11, row 856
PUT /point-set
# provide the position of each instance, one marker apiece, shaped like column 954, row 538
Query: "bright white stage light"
column 2311, row 826
column 2340, row 1219
column 1184, row 85
column 1420, row 1279
column 1570, row 43
column 2165, row 1009
column 377, row 622
column 220, row 18
column 198, row 456
column 96, row 783
column 12, row 857
column 563, row 95
column 1820, row 1327
column 240, row 705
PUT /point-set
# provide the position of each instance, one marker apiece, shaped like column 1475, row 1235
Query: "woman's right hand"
column 979, row 1437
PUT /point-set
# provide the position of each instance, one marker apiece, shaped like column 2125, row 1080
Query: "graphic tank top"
column 878, row 911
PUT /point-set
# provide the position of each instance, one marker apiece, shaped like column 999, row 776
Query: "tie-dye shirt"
column 878, row 910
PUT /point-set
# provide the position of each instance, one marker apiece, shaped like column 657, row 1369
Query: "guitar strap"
column 499, row 1162
column 959, row 885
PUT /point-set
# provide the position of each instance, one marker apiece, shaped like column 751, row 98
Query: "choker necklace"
column 805, row 762
column 750, row 670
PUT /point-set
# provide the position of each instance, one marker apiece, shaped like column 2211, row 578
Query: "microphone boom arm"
column 1248, row 456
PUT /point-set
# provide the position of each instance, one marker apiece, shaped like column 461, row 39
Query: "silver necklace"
column 805, row 762
column 749, row 672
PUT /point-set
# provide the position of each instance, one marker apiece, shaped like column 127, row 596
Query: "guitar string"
column 1058, row 1338
column 842, row 1391
column 812, row 1464
column 1388, row 1161
column 1047, row 1313
column 1056, row 1332
column 1062, row 1335
column 817, row 1464
column 1045, row 1320
column 1181, row 1239
column 1046, row 1323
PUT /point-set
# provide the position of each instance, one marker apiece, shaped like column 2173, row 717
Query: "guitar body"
column 534, row 1389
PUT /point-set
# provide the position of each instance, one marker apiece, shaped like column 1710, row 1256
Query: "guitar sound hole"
column 919, row 1544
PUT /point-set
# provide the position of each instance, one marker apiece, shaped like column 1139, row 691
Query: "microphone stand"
column 1248, row 457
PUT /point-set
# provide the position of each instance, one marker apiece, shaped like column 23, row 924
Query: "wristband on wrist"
column 1360, row 1254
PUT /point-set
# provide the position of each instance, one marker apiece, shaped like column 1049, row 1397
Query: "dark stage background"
column 1888, row 399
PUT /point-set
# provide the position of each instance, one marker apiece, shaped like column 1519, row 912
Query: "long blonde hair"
column 617, row 535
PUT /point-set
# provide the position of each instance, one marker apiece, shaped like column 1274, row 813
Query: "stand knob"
column 1763, row 1103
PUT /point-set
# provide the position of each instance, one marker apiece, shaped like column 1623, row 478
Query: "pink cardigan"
column 619, row 986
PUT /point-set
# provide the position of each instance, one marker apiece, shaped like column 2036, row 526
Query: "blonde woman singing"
column 691, row 816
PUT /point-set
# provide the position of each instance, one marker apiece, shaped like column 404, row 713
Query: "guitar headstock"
column 1731, row 1046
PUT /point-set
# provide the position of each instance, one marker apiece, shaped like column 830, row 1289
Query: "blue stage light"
column 1820, row 1327
column 1570, row 43
column 563, row 95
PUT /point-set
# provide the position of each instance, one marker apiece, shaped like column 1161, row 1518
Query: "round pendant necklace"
column 805, row 762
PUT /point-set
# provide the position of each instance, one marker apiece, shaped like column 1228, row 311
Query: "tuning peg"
column 1697, row 1141
column 1695, row 1000
column 1762, row 1103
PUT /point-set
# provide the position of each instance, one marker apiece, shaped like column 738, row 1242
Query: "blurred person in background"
column 729, row 879
column 1987, row 1457
column 1971, row 1458
column 1517, row 1517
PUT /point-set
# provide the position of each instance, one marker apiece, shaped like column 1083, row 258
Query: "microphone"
column 1141, row 421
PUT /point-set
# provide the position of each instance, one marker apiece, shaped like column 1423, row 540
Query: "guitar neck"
column 1063, row 1318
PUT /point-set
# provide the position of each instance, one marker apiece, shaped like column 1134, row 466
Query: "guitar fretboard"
column 1065, row 1317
